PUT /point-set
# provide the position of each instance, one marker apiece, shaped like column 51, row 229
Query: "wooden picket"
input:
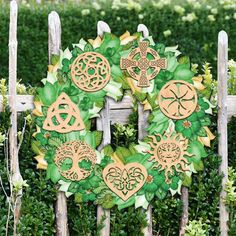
column 112, row 113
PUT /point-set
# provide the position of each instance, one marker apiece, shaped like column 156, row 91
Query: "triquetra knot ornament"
column 90, row 71
column 75, row 160
column 125, row 180
column 140, row 67
column 63, row 116
column 178, row 99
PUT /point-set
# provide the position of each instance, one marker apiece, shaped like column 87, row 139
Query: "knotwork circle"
column 90, row 71
column 140, row 67
column 75, row 160
column 178, row 99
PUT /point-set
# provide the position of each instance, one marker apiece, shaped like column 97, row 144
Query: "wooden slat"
column 142, row 125
column 126, row 103
column 54, row 45
column 222, row 124
column 103, row 123
column 120, row 116
column 184, row 217
column 13, row 147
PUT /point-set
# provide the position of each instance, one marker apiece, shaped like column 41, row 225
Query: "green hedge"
column 197, row 39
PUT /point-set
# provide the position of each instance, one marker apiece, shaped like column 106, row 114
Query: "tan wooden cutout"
column 124, row 180
column 169, row 153
column 138, row 67
column 90, row 71
column 61, row 113
column 76, row 151
column 178, row 99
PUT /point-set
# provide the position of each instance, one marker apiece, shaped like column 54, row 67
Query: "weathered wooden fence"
column 112, row 113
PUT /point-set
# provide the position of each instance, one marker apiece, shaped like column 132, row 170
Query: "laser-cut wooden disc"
column 63, row 116
column 140, row 67
column 125, row 180
column 169, row 153
column 71, row 154
column 90, row 71
column 178, row 99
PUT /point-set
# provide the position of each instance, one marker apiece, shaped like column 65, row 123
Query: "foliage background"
column 195, row 30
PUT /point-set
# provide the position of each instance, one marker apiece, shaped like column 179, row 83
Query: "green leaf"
column 161, row 194
column 98, row 137
column 187, row 181
column 49, row 93
column 108, row 151
column 182, row 72
column 55, row 59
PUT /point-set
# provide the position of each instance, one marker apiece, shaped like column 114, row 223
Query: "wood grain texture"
column 103, row 124
column 184, row 217
column 15, row 175
column 142, row 125
column 54, row 45
column 222, row 124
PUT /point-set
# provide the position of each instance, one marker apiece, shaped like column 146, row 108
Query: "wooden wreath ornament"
column 178, row 99
column 63, row 116
column 169, row 153
column 90, row 71
column 140, row 67
column 125, row 180
column 73, row 154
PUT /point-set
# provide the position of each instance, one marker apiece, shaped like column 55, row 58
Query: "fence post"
column 184, row 217
column 142, row 125
column 13, row 149
column 222, row 124
column 103, row 123
column 54, row 45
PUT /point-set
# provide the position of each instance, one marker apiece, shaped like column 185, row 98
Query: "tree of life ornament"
column 90, row 71
column 70, row 155
column 140, row 67
column 125, row 180
column 178, row 99
column 63, row 116
column 169, row 153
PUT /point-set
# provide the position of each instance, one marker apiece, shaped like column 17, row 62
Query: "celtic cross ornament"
column 140, row 67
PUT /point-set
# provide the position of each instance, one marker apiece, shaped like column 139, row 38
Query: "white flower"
column 96, row 6
column 211, row 18
column 190, row 17
column 214, row 11
column 234, row 16
column 118, row 18
column 85, row 12
column 161, row 3
column 180, row 10
column 140, row 16
column 227, row 17
column 103, row 13
column 197, row 5
column 133, row 5
column 116, row 4
column 167, row 33
column 231, row 64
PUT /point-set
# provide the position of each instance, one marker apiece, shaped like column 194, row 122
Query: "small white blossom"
column 180, row 10
column 103, row 13
column 227, row 17
column 189, row 17
column 140, row 16
column 214, row 11
column 85, row 12
column 96, row 6
column 167, row 33
column 118, row 18
column 211, row 18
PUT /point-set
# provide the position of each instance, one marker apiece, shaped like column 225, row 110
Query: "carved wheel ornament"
column 125, row 180
column 169, row 153
column 140, row 67
column 72, row 154
column 63, row 116
column 90, row 71
column 178, row 99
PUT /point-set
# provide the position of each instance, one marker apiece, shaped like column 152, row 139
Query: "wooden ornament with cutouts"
column 178, row 99
column 69, row 158
column 90, row 71
column 63, row 116
column 125, row 180
column 140, row 67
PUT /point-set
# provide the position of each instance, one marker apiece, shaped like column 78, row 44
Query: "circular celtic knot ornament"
column 178, row 99
column 90, row 71
column 75, row 160
column 140, row 67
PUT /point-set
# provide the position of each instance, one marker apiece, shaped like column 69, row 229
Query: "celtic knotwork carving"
column 140, row 67
column 125, row 180
column 169, row 153
column 90, row 71
column 63, row 116
column 178, row 99
column 75, row 160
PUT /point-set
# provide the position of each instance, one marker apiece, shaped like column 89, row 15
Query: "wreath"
column 74, row 92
